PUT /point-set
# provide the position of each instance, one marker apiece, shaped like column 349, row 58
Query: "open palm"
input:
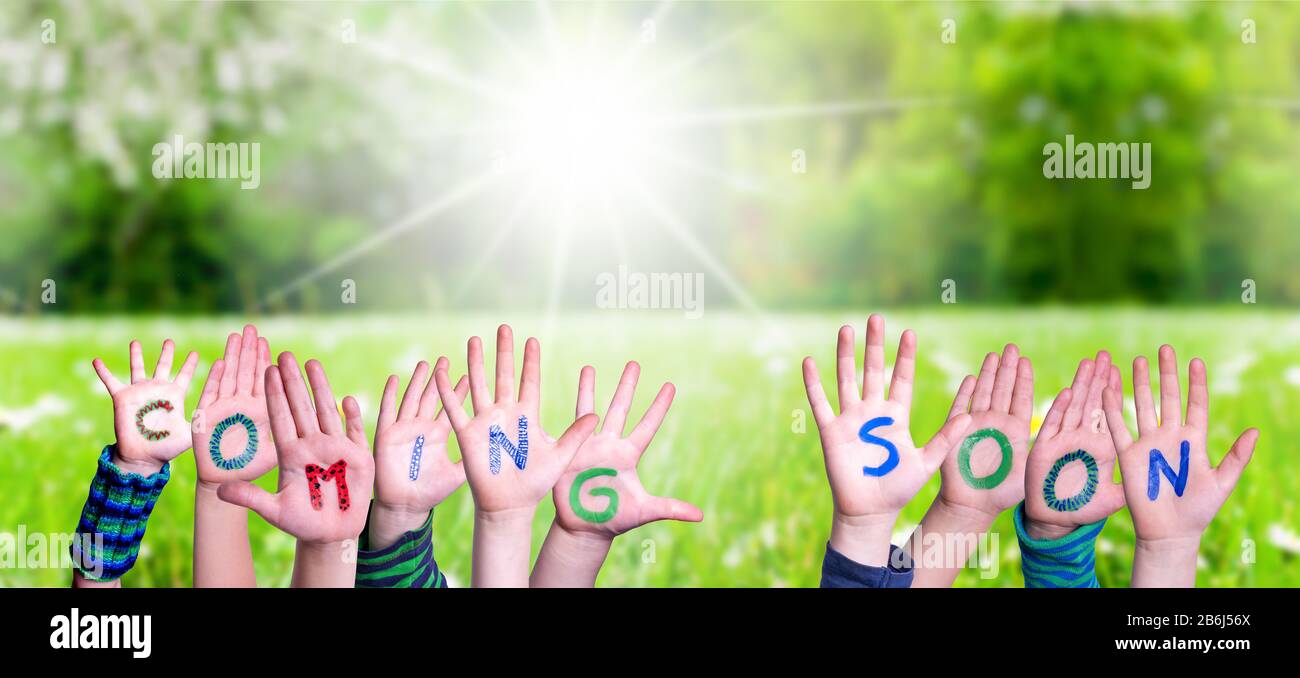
column 509, row 460
column 1069, row 480
column 325, row 474
column 231, row 431
column 412, row 470
column 987, row 471
column 1183, row 505
column 871, row 463
column 600, row 491
column 149, row 413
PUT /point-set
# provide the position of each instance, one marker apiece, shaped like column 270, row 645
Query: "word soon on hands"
column 864, row 434
column 1160, row 465
column 1079, row 500
column 338, row 472
column 250, row 449
column 991, row 480
column 575, row 496
column 497, row 441
column 148, row 433
column 418, row 452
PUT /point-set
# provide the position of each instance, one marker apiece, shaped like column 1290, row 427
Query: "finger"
column 1005, row 381
column 1143, row 404
column 616, row 415
column 667, row 508
column 477, row 380
column 812, row 382
column 106, row 377
column 1171, row 403
column 961, row 402
column 388, row 403
column 187, row 370
column 1229, row 470
column 295, row 391
column 900, row 386
column 457, row 470
column 263, row 361
column 983, row 397
column 1109, row 497
column 1078, row 395
column 277, row 406
column 248, row 495
column 586, row 391
column 1022, row 397
column 461, row 390
column 578, row 432
column 356, row 428
column 874, row 371
column 163, row 369
column 429, row 399
column 1100, row 379
column 945, row 440
column 451, row 403
column 137, row 363
column 410, row 400
column 211, row 384
column 846, row 368
column 505, row 391
column 1198, row 396
column 327, row 408
column 231, row 356
column 645, row 429
column 1055, row 414
column 248, row 348
column 1113, row 404
column 530, row 385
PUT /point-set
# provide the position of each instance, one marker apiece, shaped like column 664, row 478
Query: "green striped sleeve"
column 405, row 564
column 1067, row 562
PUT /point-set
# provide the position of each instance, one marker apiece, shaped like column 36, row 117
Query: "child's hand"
column 1172, row 491
column 413, row 473
column 325, row 474
column 987, row 471
column 231, row 431
column 1069, row 479
column 873, row 467
column 510, row 461
column 149, row 414
column 608, row 498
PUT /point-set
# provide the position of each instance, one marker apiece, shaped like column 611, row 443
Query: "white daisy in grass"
column 1284, row 538
column 1292, row 375
column 1227, row 374
column 22, row 418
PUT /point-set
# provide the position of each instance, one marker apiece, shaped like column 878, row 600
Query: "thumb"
column 667, row 508
column 945, row 440
column 578, row 432
column 1229, row 470
column 245, row 494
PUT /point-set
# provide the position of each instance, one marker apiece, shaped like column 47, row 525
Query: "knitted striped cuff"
column 405, row 564
column 113, row 520
column 1067, row 562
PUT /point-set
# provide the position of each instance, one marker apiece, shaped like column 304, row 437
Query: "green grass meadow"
column 732, row 443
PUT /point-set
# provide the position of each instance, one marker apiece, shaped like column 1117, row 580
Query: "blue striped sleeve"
column 1067, row 562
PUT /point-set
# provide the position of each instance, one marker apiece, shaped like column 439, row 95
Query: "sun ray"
column 513, row 217
column 823, row 109
column 679, row 229
column 740, row 184
column 451, row 198
column 507, row 45
column 699, row 55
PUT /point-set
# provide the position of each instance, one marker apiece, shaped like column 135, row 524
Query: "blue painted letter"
column 1159, row 465
column 865, row 434
column 497, row 441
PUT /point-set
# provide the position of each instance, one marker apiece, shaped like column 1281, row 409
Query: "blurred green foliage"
column 942, row 181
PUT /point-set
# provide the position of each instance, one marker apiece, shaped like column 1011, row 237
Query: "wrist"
column 964, row 518
column 325, row 564
column 502, row 547
column 134, row 463
column 1169, row 548
column 388, row 523
column 863, row 539
column 570, row 558
column 1041, row 531
column 1169, row 562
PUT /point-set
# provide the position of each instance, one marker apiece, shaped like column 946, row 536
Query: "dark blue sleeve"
column 838, row 572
